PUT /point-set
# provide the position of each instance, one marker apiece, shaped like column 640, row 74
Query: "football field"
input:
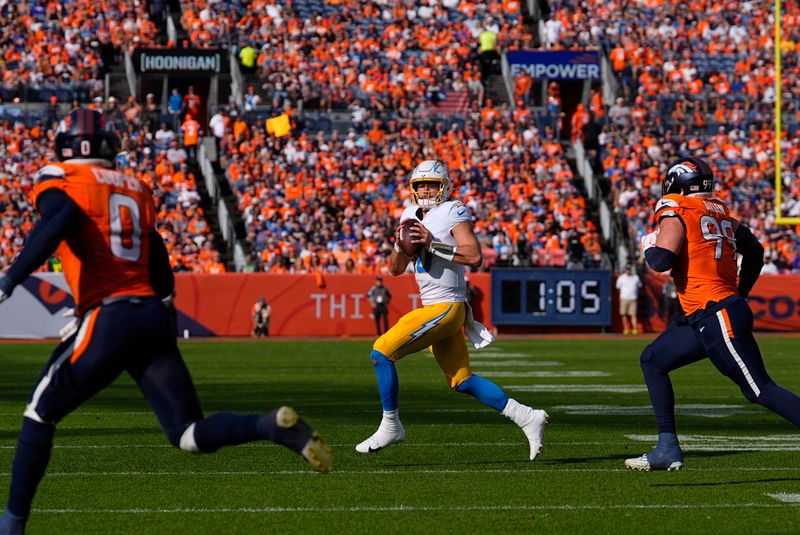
column 462, row 469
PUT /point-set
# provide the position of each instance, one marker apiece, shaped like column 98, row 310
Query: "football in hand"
column 403, row 237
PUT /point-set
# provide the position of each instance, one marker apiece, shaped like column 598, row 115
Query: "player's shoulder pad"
column 456, row 210
column 668, row 206
column 49, row 172
column 411, row 212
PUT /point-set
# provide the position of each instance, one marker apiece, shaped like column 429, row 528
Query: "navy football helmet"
column 687, row 176
column 84, row 133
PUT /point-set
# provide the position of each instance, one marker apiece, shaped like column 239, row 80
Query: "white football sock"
column 516, row 411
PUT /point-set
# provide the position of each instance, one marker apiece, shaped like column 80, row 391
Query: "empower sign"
column 561, row 65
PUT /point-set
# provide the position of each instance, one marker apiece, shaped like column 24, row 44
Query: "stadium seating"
column 718, row 104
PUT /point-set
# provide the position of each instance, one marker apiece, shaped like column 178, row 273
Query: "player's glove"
column 4, row 295
column 649, row 240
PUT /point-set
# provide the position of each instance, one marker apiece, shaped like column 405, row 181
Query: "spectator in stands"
column 175, row 106
column 487, row 44
column 163, row 137
column 218, row 124
column 151, row 112
column 247, row 59
column 191, row 132
column 191, row 103
column 176, row 154
column 52, row 113
column 251, row 101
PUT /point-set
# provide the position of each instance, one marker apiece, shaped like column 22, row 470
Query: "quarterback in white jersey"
column 440, row 280
column 444, row 231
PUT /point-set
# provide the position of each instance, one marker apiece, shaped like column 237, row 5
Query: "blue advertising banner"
column 561, row 65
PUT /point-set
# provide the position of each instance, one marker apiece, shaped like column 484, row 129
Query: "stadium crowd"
column 349, row 191
column 155, row 156
column 59, row 49
column 695, row 81
column 701, row 82
column 342, row 54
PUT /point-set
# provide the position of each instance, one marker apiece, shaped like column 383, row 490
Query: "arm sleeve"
column 161, row 277
column 58, row 214
column 752, row 259
column 659, row 259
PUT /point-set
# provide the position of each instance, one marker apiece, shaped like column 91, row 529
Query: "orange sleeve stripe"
column 84, row 343
column 727, row 324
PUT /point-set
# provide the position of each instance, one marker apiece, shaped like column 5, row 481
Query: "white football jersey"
column 439, row 281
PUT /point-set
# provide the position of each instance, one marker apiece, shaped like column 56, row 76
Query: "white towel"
column 477, row 333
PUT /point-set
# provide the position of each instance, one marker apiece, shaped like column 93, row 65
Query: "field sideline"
column 463, row 468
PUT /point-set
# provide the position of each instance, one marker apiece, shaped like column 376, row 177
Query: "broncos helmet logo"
column 683, row 167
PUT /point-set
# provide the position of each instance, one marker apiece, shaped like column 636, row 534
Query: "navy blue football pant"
column 724, row 334
column 132, row 335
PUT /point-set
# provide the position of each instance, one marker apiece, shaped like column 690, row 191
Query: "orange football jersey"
column 106, row 253
column 706, row 268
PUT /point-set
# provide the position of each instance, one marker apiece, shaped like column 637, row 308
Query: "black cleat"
column 293, row 433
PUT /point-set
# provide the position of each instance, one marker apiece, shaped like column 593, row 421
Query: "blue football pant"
column 134, row 337
column 726, row 338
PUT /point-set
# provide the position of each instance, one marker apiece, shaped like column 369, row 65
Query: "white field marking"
column 400, row 472
column 703, row 410
column 521, row 363
column 730, row 443
column 547, row 374
column 785, row 498
column 500, row 354
column 395, row 508
column 334, row 445
column 615, row 389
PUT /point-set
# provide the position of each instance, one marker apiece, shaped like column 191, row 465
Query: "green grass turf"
column 462, row 469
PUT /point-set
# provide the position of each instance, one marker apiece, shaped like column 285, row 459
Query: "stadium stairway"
column 496, row 89
column 211, row 215
column 592, row 204
column 117, row 85
column 227, row 196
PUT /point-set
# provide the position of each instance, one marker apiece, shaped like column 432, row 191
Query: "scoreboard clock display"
column 551, row 297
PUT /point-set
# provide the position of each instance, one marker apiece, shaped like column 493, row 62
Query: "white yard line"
column 545, row 470
column 423, row 508
column 516, row 363
column 614, row 389
column 785, row 498
column 548, row 374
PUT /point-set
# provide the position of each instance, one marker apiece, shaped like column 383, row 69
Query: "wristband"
column 442, row 250
column 397, row 247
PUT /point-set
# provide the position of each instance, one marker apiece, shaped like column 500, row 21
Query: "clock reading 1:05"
column 552, row 297
column 570, row 297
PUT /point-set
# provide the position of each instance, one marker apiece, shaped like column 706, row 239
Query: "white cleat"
column 534, row 430
column 384, row 436
column 643, row 464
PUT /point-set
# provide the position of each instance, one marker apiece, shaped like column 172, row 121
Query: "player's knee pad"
column 455, row 381
column 377, row 358
column 648, row 358
column 186, row 441
column 750, row 396
column 766, row 395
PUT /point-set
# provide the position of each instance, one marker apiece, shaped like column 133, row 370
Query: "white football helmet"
column 431, row 171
